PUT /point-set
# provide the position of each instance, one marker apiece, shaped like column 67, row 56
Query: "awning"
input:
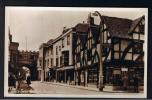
column 65, row 68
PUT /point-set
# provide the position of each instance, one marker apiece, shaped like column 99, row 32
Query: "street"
column 49, row 88
column 58, row 90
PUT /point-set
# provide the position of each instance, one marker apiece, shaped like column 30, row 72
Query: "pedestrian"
column 10, row 82
column 28, row 80
column 14, row 81
column 125, row 82
column 136, row 83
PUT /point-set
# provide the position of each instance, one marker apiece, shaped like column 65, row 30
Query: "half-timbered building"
column 117, row 44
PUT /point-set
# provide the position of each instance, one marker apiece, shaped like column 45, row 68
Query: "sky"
column 39, row 24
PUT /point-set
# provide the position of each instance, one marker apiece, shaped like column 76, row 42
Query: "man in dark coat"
column 11, row 82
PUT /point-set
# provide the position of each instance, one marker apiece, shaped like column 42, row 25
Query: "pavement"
column 106, row 89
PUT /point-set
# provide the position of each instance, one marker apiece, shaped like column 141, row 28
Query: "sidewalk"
column 106, row 89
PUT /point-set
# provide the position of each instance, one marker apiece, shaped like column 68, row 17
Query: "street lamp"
column 96, row 13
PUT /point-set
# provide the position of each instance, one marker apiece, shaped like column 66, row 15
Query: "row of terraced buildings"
column 95, row 55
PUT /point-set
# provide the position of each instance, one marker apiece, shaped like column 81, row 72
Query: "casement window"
column 51, row 51
column 56, row 61
column 56, row 50
column 68, row 39
column 61, row 61
column 51, row 61
column 59, row 48
column 40, row 62
column 48, row 52
column 66, row 58
column 48, row 62
column 44, row 63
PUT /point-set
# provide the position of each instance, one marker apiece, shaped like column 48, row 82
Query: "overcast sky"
column 41, row 24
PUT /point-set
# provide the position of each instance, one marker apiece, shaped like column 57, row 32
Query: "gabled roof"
column 118, row 27
column 135, row 23
column 95, row 30
column 82, row 27
column 75, row 37
column 83, row 38
column 82, row 32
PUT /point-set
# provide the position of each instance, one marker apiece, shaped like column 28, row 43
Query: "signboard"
column 124, row 69
column 116, row 72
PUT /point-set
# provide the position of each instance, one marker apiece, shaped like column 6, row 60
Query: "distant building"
column 18, row 59
column 56, row 58
column 29, row 59
column 63, row 57
column 13, row 56
column 44, row 59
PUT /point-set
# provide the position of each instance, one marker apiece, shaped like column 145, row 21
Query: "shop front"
column 122, row 78
column 65, row 74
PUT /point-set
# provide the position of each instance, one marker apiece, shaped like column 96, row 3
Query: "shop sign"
column 116, row 72
column 124, row 69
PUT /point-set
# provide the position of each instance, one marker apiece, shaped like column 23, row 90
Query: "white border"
column 143, row 95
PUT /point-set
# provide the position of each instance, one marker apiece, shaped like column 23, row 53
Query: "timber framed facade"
column 121, row 43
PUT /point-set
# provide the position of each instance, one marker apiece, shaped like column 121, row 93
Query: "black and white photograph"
column 75, row 52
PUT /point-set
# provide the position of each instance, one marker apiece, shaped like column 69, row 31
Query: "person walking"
column 14, row 81
column 10, row 82
column 28, row 80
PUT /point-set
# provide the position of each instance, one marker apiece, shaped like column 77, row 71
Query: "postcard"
column 78, row 52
